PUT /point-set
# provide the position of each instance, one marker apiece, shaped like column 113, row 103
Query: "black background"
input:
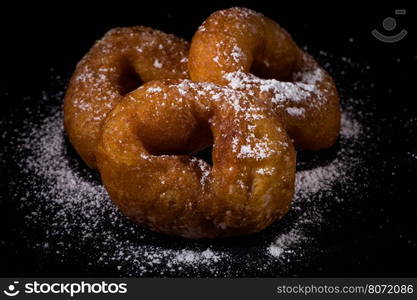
column 36, row 38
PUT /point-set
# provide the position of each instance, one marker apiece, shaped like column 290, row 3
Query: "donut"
column 146, row 156
column 115, row 65
column 247, row 51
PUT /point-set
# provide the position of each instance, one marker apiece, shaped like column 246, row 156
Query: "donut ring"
column 234, row 44
column 115, row 65
column 144, row 159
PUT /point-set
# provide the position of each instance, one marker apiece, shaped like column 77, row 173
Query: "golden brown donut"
column 145, row 160
column 115, row 65
column 242, row 48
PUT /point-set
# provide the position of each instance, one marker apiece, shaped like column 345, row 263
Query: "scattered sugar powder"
column 157, row 64
column 284, row 241
column 71, row 213
column 313, row 184
column 191, row 257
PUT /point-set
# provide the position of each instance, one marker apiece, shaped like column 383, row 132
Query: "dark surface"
column 382, row 242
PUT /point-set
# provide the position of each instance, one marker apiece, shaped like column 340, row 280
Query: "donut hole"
column 197, row 142
column 261, row 70
column 265, row 70
column 128, row 80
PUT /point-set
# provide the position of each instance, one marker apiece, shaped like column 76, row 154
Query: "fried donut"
column 239, row 47
column 145, row 160
column 115, row 65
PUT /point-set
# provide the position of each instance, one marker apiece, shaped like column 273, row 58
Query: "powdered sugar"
column 157, row 64
column 153, row 90
column 295, row 111
column 265, row 171
column 281, row 91
column 192, row 257
column 313, row 184
column 236, row 53
column 258, row 151
column 283, row 242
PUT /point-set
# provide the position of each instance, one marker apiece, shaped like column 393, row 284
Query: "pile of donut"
column 141, row 103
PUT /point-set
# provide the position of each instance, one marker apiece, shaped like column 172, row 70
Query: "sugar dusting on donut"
column 296, row 92
column 295, row 111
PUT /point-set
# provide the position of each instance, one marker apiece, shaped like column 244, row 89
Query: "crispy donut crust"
column 235, row 45
column 144, row 160
column 117, row 64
